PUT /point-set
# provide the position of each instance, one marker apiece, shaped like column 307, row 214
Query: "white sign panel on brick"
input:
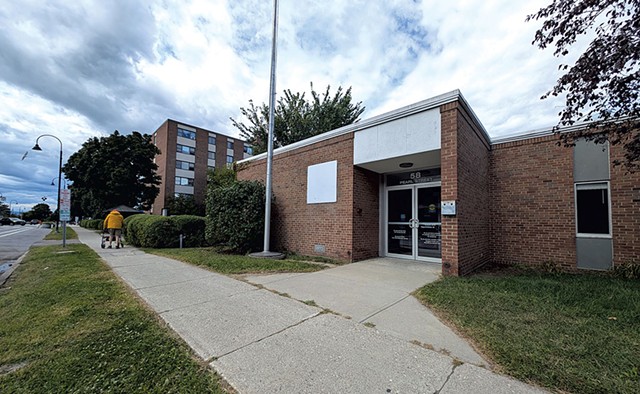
column 322, row 183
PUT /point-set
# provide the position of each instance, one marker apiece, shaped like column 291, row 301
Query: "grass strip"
column 234, row 264
column 76, row 328
column 71, row 234
column 575, row 333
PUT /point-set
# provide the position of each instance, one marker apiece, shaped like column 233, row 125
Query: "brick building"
column 426, row 182
column 186, row 153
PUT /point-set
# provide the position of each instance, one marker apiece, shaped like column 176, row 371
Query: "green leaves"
column 297, row 118
column 235, row 215
column 111, row 171
column 603, row 86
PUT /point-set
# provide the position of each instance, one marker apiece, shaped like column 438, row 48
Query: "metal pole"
column 37, row 147
column 59, row 185
column 272, row 104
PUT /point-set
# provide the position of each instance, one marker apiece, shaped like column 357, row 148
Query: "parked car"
column 18, row 221
column 6, row 221
column 34, row 221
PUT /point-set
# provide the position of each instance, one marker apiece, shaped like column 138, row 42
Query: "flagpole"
column 272, row 105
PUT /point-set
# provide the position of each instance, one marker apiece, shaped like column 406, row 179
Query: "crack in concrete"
column 210, row 359
column 385, row 308
column 453, row 369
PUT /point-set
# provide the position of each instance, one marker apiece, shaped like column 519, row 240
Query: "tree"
column 39, row 211
column 4, row 209
column 297, row 118
column 603, row 85
column 184, row 205
column 235, row 213
column 114, row 170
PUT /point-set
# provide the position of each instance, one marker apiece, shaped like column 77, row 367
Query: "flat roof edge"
column 181, row 123
column 538, row 133
column 424, row 105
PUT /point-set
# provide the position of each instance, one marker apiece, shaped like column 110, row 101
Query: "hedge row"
column 235, row 216
column 152, row 231
column 92, row 224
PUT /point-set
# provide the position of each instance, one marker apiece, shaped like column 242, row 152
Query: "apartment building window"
column 185, row 165
column 189, row 150
column 229, row 159
column 593, row 209
column 182, row 181
column 183, row 195
column 186, row 134
column 212, row 155
column 212, row 168
column 212, row 139
column 248, row 150
column 229, row 144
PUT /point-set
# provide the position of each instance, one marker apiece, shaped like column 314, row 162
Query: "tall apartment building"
column 186, row 153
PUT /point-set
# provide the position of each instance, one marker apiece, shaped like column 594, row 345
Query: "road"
column 15, row 240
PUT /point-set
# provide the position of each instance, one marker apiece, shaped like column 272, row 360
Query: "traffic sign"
column 65, row 205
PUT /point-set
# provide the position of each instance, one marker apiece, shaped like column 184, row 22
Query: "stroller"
column 104, row 240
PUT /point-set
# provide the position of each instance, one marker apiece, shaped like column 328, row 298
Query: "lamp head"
column 36, row 147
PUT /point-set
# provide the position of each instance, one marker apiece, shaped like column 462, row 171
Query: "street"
column 15, row 240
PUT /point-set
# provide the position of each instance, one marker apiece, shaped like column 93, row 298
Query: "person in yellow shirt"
column 113, row 223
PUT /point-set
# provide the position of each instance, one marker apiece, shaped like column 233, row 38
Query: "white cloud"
column 84, row 68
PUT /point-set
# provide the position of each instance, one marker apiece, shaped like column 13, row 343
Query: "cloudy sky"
column 84, row 68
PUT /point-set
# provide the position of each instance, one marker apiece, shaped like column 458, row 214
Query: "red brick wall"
column 296, row 225
column 200, row 169
column 166, row 161
column 625, row 209
column 238, row 150
column 449, row 189
column 366, row 214
column 532, row 209
column 465, row 161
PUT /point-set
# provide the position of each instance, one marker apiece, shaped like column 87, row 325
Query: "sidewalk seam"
column 384, row 309
column 190, row 305
column 211, row 359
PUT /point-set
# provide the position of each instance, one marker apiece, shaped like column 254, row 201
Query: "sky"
column 84, row 68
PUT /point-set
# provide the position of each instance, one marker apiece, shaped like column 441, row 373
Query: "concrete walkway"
column 377, row 293
column 263, row 342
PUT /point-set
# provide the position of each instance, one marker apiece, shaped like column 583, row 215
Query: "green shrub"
column 152, row 231
column 91, row 224
column 235, row 215
column 192, row 228
column 629, row 270
column 159, row 232
column 131, row 228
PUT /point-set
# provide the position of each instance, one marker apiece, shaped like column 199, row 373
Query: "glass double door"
column 413, row 223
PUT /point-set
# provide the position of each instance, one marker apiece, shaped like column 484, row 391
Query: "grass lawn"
column 75, row 328
column 71, row 234
column 234, row 264
column 576, row 333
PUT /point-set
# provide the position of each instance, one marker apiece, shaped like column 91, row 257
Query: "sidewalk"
column 263, row 342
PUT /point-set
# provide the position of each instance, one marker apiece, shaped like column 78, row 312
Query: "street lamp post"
column 37, row 147
column 63, row 181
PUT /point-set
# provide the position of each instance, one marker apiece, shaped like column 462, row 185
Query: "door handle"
column 414, row 223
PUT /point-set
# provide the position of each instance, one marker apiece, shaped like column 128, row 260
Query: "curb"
column 12, row 266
